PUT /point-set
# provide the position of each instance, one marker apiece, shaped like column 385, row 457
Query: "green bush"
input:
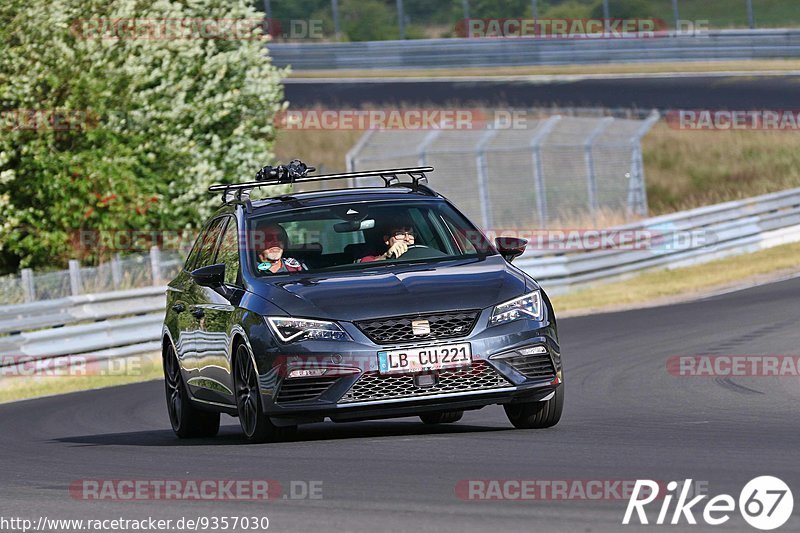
column 153, row 122
column 625, row 9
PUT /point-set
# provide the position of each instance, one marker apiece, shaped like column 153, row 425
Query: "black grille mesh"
column 299, row 389
column 532, row 366
column 398, row 329
column 375, row 387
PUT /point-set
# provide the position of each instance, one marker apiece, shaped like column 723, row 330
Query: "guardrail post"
column 74, row 277
column 155, row 264
column 28, row 288
column 751, row 20
column 116, row 271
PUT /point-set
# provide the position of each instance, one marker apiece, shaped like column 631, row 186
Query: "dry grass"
column 668, row 284
column 552, row 70
column 686, row 169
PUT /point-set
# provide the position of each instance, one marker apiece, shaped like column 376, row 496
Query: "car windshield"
column 360, row 235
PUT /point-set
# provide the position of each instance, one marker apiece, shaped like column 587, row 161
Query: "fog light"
column 307, row 373
column 533, row 350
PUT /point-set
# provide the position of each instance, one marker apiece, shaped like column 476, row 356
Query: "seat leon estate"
column 351, row 304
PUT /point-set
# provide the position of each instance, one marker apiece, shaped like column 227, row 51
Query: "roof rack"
column 297, row 172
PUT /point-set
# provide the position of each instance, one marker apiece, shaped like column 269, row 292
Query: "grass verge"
column 14, row 388
column 700, row 67
column 666, row 286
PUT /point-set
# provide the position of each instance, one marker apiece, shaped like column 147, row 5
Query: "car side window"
column 229, row 252
column 208, row 249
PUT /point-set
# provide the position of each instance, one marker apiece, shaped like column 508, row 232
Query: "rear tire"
column 256, row 426
column 442, row 417
column 537, row 415
column 187, row 420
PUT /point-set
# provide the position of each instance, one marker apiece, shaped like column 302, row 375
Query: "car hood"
column 392, row 290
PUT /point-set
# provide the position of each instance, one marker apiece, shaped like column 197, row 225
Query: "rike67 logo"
column 765, row 503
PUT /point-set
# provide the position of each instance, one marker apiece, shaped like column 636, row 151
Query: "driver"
column 398, row 238
column 272, row 261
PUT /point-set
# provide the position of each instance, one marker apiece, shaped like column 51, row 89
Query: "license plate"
column 425, row 358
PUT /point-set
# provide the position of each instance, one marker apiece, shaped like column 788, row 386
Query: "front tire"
column 442, row 417
column 537, row 415
column 187, row 420
column 256, row 426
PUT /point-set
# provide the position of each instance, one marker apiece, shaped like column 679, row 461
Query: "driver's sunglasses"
column 403, row 234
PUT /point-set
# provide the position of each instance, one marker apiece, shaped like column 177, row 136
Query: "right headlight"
column 295, row 329
column 526, row 306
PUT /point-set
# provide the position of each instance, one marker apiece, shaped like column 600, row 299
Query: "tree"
column 111, row 126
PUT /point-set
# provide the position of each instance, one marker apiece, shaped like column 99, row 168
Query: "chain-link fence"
column 557, row 170
column 130, row 272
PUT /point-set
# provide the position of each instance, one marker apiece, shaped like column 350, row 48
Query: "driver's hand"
column 397, row 249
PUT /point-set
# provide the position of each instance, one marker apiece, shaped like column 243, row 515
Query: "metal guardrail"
column 124, row 323
column 493, row 52
column 723, row 229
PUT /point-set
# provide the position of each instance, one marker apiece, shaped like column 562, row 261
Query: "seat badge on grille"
column 421, row 327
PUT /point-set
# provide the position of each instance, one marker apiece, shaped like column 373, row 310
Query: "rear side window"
column 208, row 248
column 229, row 252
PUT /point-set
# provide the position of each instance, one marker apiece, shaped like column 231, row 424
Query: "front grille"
column 376, row 387
column 299, row 389
column 532, row 366
column 398, row 329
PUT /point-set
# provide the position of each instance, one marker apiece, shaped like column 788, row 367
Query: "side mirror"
column 510, row 247
column 212, row 276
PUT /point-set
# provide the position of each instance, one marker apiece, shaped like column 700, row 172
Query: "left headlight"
column 527, row 306
column 295, row 329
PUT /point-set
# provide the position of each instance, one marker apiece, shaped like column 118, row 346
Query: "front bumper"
column 357, row 391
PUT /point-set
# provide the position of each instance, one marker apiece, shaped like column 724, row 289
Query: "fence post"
column 422, row 149
column 483, row 178
column 637, row 193
column 155, row 264
column 591, row 178
column 74, row 277
column 116, row 271
column 401, row 19
column 538, row 167
column 28, row 288
column 336, row 28
column 676, row 15
column 751, row 20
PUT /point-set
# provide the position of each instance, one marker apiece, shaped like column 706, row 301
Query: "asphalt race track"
column 649, row 92
column 626, row 417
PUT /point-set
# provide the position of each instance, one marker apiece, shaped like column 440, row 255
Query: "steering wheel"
column 420, row 251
